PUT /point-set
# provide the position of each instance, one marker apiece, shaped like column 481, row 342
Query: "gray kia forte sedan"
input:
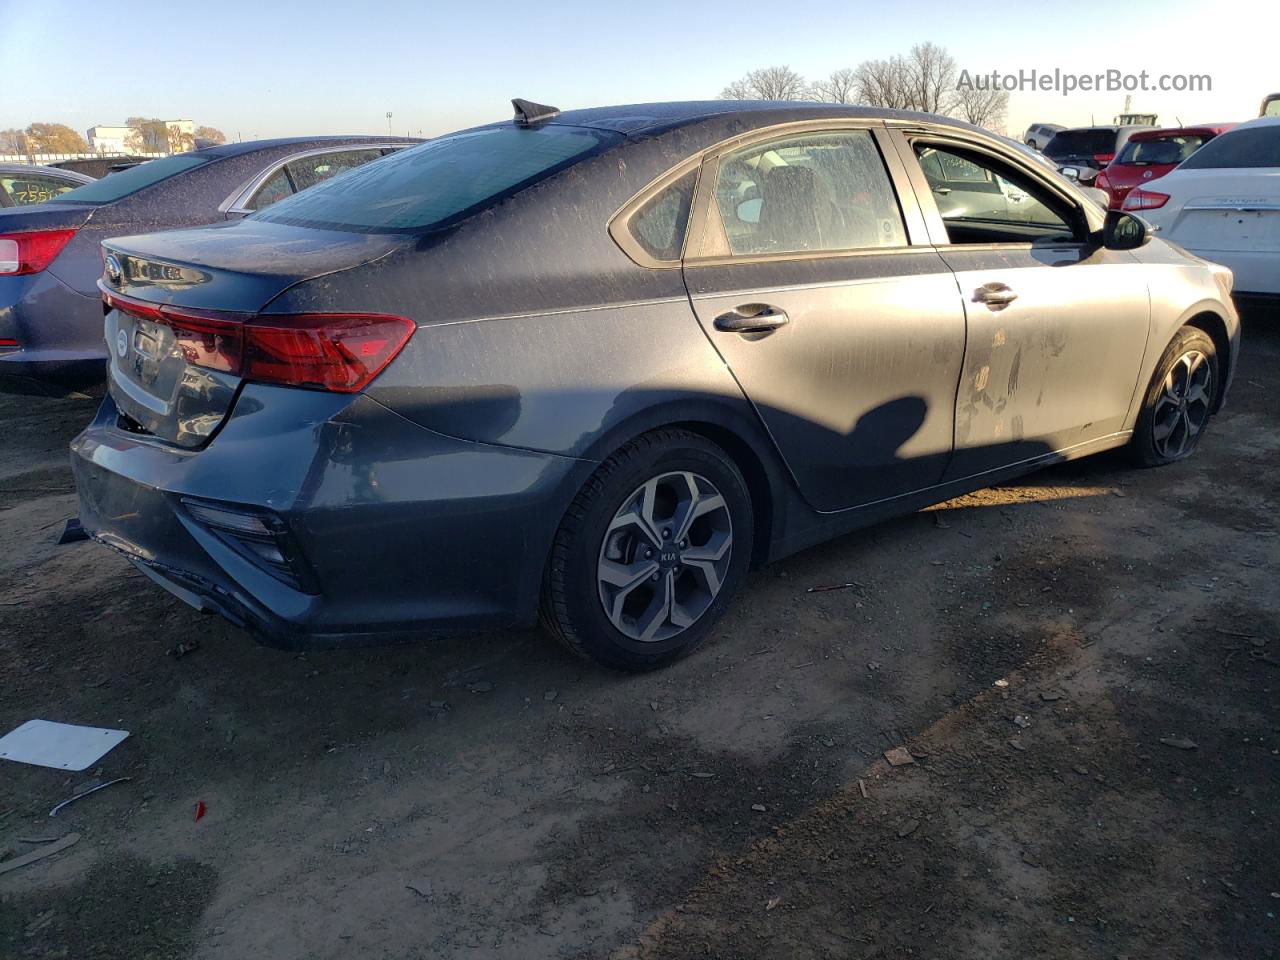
column 588, row 367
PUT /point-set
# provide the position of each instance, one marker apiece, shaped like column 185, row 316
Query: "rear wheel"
column 649, row 553
column 1178, row 402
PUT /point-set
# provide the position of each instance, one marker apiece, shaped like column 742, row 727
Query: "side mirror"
column 1071, row 173
column 1124, row 231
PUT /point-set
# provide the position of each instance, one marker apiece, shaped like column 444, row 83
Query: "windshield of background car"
column 1075, row 143
column 1247, row 147
column 440, row 182
column 1162, row 150
column 115, row 186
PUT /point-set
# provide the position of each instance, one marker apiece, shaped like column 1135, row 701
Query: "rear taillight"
column 1102, row 159
column 1101, row 181
column 340, row 352
column 1139, row 199
column 31, row 252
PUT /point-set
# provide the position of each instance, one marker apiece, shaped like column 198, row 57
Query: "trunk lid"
column 1224, row 210
column 185, row 295
column 45, row 216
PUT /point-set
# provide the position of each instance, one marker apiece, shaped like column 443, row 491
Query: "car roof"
column 250, row 146
column 1259, row 122
column 11, row 167
column 651, row 118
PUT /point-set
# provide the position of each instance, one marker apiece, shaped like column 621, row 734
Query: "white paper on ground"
column 63, row 746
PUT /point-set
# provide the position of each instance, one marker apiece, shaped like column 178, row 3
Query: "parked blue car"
column 50, row 256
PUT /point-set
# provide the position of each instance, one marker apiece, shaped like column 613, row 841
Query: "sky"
column 258, row 70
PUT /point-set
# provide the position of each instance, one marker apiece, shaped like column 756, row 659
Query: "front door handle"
column 752, row 318
column 995, row 295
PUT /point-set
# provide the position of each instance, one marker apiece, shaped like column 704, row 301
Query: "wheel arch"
column 1215, row 326
column 736, row 431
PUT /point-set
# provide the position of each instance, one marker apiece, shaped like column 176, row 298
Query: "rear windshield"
column 1249, row 147
column 1076, row 143
column 439, row 182
column 114, row 186
column 1162, row 150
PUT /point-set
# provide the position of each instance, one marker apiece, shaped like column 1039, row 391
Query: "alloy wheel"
column 1182, row 407
column 665, row 556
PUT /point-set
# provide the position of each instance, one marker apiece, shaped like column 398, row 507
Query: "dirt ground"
column 1084, row 666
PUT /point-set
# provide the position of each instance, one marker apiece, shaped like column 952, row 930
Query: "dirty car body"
column 772, row 285
column 50, row 313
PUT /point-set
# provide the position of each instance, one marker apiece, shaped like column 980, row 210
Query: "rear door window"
column 814, row 192
column 1244, row 147
column 442, row 181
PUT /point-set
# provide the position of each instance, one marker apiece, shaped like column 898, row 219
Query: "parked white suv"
column 1038, row 135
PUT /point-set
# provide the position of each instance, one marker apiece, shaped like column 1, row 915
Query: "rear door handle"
column 752, row 318
column 995, row 295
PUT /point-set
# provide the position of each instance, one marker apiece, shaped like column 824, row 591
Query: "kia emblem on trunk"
column 1146, row 174
column 114, row 271
column 122, row 344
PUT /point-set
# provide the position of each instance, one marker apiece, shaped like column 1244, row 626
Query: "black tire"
column 1150, row 445
column 573, row 607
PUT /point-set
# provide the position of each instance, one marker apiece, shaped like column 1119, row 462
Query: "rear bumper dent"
column 407, row 532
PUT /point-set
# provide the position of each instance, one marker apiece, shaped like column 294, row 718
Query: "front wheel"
column 1178, row 402
column 650, row 552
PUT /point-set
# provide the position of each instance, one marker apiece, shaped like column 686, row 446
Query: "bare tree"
column 884, row 83
column 984, row 108
column 738, row 90
column 768, row 83
column 840, row 87
column 931, row 77
column 14, row 141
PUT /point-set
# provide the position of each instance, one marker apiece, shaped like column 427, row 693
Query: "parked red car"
column 1151, row 154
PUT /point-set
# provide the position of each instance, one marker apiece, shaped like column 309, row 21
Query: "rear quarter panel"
column 535, row 330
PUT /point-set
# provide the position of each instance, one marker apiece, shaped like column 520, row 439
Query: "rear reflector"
column 339, row 352
column 31, row 252
column 1139, row 199
column 258, row 536
column 233, row 521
